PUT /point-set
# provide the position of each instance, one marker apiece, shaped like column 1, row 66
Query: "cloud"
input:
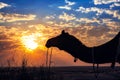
column 88, row 34
column 68, row 5
column 70, row 23
column 92, row 35
column 70, row 20
column 91, row 9
column 67, row 17
column 7, row 45
column 65, row 7
column 99, row 2
column 99, row 11
column 87, row 20
column 9, row 38
column 112, row 25
column 114, row 5
column 5, row 17
column 3, row 5
column 50, row 17
column 62, row 24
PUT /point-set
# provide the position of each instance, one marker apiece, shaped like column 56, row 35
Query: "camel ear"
column 63, row 32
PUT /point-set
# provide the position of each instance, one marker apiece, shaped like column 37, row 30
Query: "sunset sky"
column 26, row 25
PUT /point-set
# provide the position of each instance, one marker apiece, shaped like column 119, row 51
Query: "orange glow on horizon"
column 29, row 42
column 33, row 42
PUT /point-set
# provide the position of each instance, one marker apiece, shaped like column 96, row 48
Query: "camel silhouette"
column 106, row 53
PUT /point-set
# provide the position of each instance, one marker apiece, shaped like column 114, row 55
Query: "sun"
column 29, row 42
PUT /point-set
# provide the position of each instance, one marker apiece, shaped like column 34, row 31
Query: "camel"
column 105, row 53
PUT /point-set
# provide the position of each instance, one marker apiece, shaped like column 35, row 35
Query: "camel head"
column 57, row 41
column 65, row 42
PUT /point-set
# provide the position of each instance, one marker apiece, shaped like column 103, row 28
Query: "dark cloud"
column 7, row 45
column 3, row 36
column 98, row 31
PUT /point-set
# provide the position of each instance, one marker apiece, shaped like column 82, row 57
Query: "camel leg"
column 75, row 59
column 95, row 69
column 118, row 59
column 113, row 65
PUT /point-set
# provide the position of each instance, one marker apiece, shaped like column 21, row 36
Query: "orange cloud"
column 16, row 17
column 67, row 17
column 10, row 41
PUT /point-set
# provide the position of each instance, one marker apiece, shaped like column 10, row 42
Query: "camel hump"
column 119, row 34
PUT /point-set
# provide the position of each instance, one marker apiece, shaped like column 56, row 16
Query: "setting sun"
column 29, row 42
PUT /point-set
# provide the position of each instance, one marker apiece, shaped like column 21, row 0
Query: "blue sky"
column 98, row 9
column 93, row 22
